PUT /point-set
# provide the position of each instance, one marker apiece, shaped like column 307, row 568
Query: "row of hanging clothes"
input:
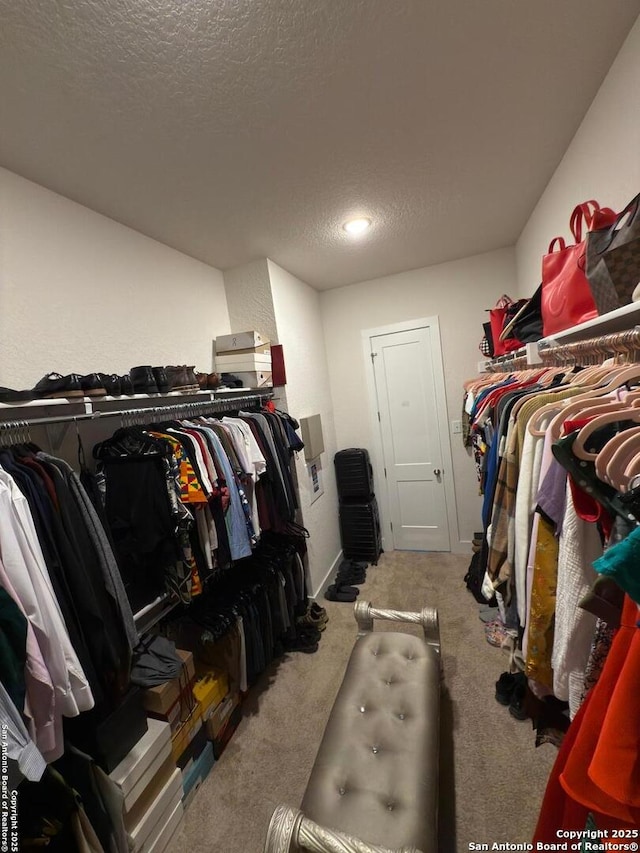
column 186, row 499
column 557, row 451
column 199, row 510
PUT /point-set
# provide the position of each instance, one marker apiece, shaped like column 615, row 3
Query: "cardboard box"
column 263, row 349
column 194, row 750
column 163, row 697
column 161, row 837
column 232, row 363
column 220, row 715
column 160, row 801
column 240, row 340
column 181, row 739
column 133, row 816
column 255, row 379
column 143, row 762
column 109, row 734
column 211, row 686
column 227, row 732
column 196, row 774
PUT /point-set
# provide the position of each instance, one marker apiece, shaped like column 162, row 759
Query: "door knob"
column 437, row 472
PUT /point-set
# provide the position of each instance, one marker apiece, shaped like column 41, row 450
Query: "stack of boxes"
column 151, row 788
column 247, row 355
column 201, row 711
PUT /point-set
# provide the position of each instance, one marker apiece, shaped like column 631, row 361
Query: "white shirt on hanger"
column 24, row 563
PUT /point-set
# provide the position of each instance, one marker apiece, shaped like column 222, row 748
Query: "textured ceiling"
column 238, row 129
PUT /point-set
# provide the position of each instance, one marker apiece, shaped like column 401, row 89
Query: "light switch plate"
column 456, row 427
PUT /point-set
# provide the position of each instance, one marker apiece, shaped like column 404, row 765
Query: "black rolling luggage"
column 354, row 474
column 360, row 531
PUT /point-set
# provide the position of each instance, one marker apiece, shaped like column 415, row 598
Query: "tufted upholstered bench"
column 374, row 785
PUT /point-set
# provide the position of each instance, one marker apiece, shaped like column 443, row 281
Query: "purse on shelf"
column 566, row 298
column 526, row 323
column 613, row 259
column 500, row 316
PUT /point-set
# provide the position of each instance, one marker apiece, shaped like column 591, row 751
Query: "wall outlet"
column 456, row 427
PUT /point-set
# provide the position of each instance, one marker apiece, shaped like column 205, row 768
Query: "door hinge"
column 374, row 355
column 385, row 473
column 379, row 419
column 391, row 525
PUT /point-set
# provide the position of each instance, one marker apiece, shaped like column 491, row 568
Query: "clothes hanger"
column 630, row 473
column 578, row 404
column 614, row 456
column 629, row 413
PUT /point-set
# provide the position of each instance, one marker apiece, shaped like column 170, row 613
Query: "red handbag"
column 566, row 294
column 497, row 316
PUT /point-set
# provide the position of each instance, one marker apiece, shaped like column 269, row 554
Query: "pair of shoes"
column 149, row 380
column 506, row 685
column 208, row 381
column 495, row 633
column 231, row 381
column 182, row 378
column 511, row 691
column 54, row 386
column 314, row 618
column 160, row 380
column 341, row 592
column 351, row 575
column 306, row 640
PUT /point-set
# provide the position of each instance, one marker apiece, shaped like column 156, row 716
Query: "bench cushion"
column 376, row 772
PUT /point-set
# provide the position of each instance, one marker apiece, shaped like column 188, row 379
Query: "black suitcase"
column 354, row 474
column 360, row 531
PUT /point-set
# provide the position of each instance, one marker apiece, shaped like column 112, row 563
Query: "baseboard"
column 319, row 593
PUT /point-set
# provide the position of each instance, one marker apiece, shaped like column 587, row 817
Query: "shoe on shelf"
column 179, row 379
column 9, row 395
column 111, row 382
column 162, row 381
column 54, row 386
column 92, row 385
column 126, row 385
column 203, row 381
column 143, row 380
column 213, row 382
column 231, row 381
column 192, row 380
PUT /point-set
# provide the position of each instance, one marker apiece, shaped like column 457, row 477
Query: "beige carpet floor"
column 492, row 776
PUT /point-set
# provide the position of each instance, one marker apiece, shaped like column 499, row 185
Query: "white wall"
column 82, row 293
column 249, row 299
column 602, row 162
column 297, row 313
column 458, row 293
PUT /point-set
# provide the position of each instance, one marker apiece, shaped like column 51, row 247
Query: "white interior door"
column 412, row 445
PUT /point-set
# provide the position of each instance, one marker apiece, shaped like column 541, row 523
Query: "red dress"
column 597, row 770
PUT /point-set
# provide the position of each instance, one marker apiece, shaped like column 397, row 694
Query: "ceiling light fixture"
column 357, row 227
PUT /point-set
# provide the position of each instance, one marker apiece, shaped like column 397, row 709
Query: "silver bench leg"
column 290, row 831
column 427, row 617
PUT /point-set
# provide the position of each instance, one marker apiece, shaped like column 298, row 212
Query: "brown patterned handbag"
column 613, row 259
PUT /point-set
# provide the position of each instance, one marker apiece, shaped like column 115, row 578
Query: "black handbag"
column 526, row 324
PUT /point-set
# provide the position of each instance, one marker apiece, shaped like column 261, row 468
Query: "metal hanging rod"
column 589, row 350
column 601, row 347
column 178, row 410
